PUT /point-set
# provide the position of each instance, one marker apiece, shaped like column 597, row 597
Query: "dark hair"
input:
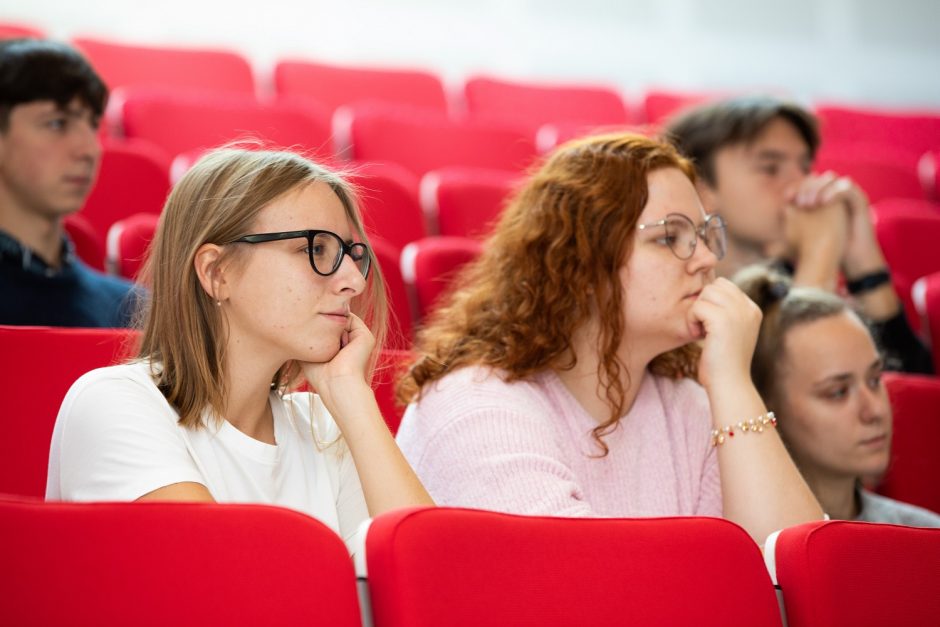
column 39, row 69
column 784, row 307
column 700, row 132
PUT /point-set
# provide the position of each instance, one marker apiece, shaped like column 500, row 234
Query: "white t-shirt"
column 117, row 438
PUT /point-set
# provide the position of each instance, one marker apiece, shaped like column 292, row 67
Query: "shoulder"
column 134, row 376
column 877, row 508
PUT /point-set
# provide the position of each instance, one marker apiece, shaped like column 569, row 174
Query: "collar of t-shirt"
column 12, row 251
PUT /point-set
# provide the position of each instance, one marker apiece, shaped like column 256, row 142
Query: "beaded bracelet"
column 755, row 424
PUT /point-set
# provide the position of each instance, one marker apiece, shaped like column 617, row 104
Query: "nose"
column 348, row 278
column 702, row 259
column 85, row 141
column 874, row 406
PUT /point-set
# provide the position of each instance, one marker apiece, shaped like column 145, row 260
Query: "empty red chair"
column 39, row 365
column 926, row 297
column 556, row 133
column 388, row 195
column 876, row 170
column 183, row 122
column 134, row 178
column 89, row 245
column 424, row 142
column 856, row 574
column 186, row 564
column 534, row 104
column 430, row 266
column 915, row 132
column 460, row 567
column 909, row 243
column 336, row 85
column 129, row 243
column 130, row 65
column 906, row 206
column 8, row 30
column 465, row 202
column 400, row 330
column 915, row 465
column 660, row 104
column 390, row 368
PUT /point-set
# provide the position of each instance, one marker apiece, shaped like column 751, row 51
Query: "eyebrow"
column 845, row 377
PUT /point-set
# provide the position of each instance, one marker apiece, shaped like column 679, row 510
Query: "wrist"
column 868, row 281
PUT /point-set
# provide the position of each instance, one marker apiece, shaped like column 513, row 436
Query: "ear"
column 708, row 195
column 209, row 271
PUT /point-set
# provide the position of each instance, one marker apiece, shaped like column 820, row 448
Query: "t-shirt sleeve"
column 114, row 441
column 490, row 453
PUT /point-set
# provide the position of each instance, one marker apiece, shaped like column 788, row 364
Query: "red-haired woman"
column 560, row 377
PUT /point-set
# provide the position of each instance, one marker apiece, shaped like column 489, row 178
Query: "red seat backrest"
column 535, row 104
column 432, row 266
column 39, row 366
column 422, row 142
column 401, row 326
column 915, row 465
column 183, row 122
column 461, row 567
column 335, row 85
column 913, row 131
column 877, row 171
column 388, row 197
column 927, row 303
column 389, row 369
column 129, row 242
column 465, row 202
column 129, row 65
column 186, row 564
column 855, row 574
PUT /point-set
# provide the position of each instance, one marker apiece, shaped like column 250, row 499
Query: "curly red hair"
column 551, row 261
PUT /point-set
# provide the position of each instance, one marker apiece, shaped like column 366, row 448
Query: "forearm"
column 818, row 266
column 762, row 490
column 388, row 481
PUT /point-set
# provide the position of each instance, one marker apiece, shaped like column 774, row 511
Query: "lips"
column 339, row 316
column 878, row 440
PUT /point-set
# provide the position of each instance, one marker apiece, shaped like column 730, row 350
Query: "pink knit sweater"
column 526, row 447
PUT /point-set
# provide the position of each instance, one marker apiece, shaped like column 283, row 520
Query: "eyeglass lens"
column 682, row 236
column 326, row 254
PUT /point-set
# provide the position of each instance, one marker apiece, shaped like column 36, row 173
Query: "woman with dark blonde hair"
column 262, row 278
column 559, row 377
column 817, row 366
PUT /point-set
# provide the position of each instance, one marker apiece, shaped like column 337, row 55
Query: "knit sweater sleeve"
column 482, row 443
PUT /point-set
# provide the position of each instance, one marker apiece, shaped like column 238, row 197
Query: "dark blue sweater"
column 32, row 293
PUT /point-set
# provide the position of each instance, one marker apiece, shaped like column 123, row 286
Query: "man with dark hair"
column 754, row 158
column 50, row 103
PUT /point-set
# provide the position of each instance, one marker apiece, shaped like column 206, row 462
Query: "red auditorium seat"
column 335, row 85
column 461, row 567
column 928, row 170
column 430, row 266
column 183, row 122
column 125, row 65
column 556, row 133
column 89, row 245
column 134, row 178
column 185, row 564
column 856, row 574
column 533, row 104
column 926, row 297
column 915, row 464
column 422, row 142
column 387, row 372
column 464, row 202
column 877, row 170
column 909, row 243
column 8, row 30
column 39, row 366
column 906, row 206
column 659, row 104
column 400, row 325
column 128, row 242
column 388, row 195
column 909, row 131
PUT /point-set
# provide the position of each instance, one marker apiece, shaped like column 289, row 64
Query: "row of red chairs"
column 33, row 390
column 112, row 564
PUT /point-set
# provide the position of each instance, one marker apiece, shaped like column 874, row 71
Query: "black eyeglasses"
column 325, row 248
column 682, row 234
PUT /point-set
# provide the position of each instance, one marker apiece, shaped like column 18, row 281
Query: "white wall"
column 865, row 51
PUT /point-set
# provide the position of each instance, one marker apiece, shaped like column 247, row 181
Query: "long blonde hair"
column 217, row 202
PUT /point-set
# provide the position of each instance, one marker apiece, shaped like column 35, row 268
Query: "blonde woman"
column 261, row 278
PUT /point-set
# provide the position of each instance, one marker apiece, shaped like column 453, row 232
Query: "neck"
column 42, row 235
column 836, row 494
column 248, row 380
column 583, row 381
